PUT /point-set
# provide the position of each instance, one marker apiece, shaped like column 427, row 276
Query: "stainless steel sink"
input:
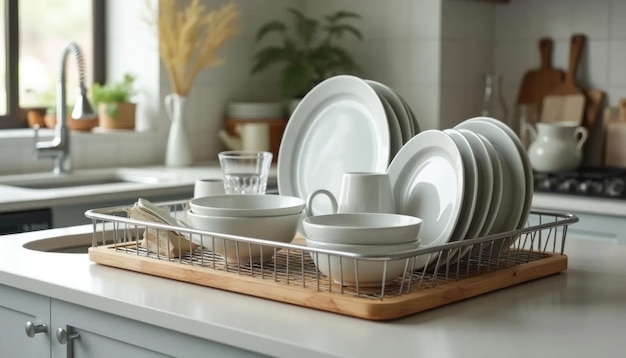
column 44, row 181
column 69, row 244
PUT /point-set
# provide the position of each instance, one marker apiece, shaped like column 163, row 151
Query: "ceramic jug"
column 556, row 146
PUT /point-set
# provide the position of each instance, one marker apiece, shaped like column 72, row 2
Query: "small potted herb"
column 115, row 109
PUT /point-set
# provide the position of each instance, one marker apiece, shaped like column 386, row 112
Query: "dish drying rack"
column 491, row 263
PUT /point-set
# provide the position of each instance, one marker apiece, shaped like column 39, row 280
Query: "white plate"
column 485, row 188
column 395, row 133
column 498, row 187
column 414, row 122
column 528, row 195
column 496, row 197
column 339, row 126
column 399, row 109
column 512, row 205
column 427, row 178
column 470, row 196
column 488, row 195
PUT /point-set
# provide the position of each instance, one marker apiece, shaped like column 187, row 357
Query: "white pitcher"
column 556, row 146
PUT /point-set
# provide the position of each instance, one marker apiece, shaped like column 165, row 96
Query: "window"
column 35, row 32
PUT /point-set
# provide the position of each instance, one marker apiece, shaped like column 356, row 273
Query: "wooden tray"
column 314, row 291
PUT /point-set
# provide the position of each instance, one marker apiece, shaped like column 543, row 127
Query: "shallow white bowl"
column 271, row 228
column 368, row 273
column 247, row 205
column 363, row 228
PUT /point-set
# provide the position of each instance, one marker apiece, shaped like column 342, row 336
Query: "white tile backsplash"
column 425, row 20
column 425, row 62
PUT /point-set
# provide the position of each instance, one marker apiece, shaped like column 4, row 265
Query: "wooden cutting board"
column 594, row 98
column 566, row 102
column 615, row 149
column 537, row 83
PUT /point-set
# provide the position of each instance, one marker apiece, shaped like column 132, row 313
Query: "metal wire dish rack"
column 427, row 278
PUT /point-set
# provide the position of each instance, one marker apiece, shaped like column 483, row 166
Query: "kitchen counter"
column 578, row 313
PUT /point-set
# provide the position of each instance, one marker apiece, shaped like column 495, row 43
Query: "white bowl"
column 342, row 270
column 247, row 205
column 271, row 228
column 363, row 228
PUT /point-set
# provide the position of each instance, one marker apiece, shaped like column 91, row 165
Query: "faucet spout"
column 59, row 147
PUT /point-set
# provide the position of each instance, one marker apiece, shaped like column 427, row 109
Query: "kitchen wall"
column 520, row 24
column 432, row 52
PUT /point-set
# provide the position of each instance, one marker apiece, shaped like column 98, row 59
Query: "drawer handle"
column 32, row 329
column 63, row 336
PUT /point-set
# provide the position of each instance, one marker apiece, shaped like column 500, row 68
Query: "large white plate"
column 428, row 181
column 395, row 133
column 512, row 205
column 400, row 110
column 339, row 126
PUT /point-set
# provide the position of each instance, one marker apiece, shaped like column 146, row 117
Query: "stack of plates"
column 470, row 181
column 255, row 110
column 344, row 124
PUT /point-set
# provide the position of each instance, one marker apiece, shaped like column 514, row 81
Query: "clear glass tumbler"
column 245, row 172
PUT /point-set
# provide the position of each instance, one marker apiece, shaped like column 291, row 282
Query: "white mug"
column 208, row 187
column 361, row 192
column 254, row 136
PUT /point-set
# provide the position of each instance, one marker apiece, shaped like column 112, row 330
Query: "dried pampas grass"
column 190, row 37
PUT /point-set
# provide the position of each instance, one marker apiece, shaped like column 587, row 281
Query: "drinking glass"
column 245, row 172
column 527, row 115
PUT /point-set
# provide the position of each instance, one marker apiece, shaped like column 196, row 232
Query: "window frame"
column 16, row 116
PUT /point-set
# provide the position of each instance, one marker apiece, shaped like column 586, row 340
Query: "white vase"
column 178, row 152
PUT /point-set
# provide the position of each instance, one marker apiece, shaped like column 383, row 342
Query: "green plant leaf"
column 269, row 56
column 296, row 80
column 307, row 53
column 272, row 26
column 114, row 93
column 112, row 110
column 341, row 15
column 338, row 30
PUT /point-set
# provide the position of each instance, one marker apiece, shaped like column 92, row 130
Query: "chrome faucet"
column 59, row 147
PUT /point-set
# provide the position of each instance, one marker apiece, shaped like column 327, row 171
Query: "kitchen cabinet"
column 18, row 307
column 90, row 333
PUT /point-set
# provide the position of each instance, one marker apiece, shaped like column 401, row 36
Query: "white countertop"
column 580, row 204
column 578, row 313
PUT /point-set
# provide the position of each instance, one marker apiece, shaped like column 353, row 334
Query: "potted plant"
column 115, row 110
column 308, row 51
column 50, row 120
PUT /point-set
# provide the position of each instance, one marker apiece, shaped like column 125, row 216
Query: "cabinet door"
column 18, row 307
column 103, row 335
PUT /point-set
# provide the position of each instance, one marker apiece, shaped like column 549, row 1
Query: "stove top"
column 596, row 182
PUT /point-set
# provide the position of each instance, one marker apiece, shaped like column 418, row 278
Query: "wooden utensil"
column 615, row 149
column 594, row 98
column 566, row 102
column 537, row 83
